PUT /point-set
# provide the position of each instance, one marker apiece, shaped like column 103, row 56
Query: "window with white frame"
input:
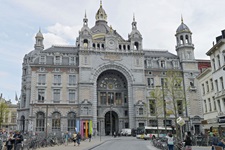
column 214, row 64
column 149, row 63
column 218, row 59
column 207, row 86
column 141, row 111
column 72, row 94
column 41, row 79
column 211, row 83
column 203, row 89
column 150, row 82
column 57, row 60
column 210, row 105
column 221, row 83
column 41, row 95
column 162, row 64
column 57, row 80
column 217, row 86
column 72, row 79
column 56, row 95
column 219, row 105
column 40, row 121
column 214, row 103
column 42, row 59
column 72, row 60
column 205, row 106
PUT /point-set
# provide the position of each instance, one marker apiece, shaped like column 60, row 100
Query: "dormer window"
column 42, row 59
column 72, row 60
column 162, row 64
column 85, row 43
column 57, row 60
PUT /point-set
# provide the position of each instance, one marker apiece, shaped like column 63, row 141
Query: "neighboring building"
column 212, row 85
column 9, row 120
column 103, row 82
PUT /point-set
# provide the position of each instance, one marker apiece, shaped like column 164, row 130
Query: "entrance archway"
column 111, row 123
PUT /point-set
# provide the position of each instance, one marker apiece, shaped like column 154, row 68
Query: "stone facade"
column 104, row 79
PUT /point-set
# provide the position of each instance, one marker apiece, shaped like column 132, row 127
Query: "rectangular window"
column 141, row 111
column 57, row 80
column 221, row 83
column 149, row 63
column 211, row 83
column 72, row 79
column 217, row 86
column 41, row 79
column 150, row 82
column 103, row 98
column 72, row 95
column 180, row 107
column 118, row 98
column 207, row 86
column 214, row 65
column 57, row 60
column 218, row 59
column 72, row 60
column 56, row 95
column 110, row 98
column 219, row 105
column 214, row 103
column 125, row 113
column 210, row 107
column 42, row 59
column 205, row 106
column 152, row 107
column 153, row 123
column 203, row 89
column 86, row 111
column 41, row 95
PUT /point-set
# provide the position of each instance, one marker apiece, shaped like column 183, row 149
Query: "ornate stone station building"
column 103, row 82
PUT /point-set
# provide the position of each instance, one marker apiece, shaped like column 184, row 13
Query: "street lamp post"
column 164, row 103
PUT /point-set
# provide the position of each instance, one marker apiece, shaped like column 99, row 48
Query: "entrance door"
column 111, row 123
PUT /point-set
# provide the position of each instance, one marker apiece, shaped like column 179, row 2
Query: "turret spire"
column 182, row 20
column 85, row 20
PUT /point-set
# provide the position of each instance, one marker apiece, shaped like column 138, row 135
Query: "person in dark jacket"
column 188, row 143
column 18, row 140
column 78, row 138
column 215, row 141
column 221, row 143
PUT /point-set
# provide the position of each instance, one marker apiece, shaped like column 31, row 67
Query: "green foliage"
column 4, row 111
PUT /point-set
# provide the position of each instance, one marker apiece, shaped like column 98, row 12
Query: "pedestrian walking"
column 215, row 141
column 188, row 143
column 89, row 137
column 170, row 141
column 74, row 138
column 66, row 138
column 10, row 141
column 78, row 138
column 18, row 140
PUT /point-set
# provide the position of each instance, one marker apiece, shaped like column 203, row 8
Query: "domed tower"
column 101, row 14
column 39, row 41
column 135, row 37
column 84, row 40
column 184, row 47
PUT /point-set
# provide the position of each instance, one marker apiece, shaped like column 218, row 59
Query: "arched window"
column 40, row 121
column 136, row 45
column 85, row 43
column 124, row 47
column 93, row 45
column 181, row 40
column 103, row 46
column 56, row 121
column 71, row 121
column 186, row 39
column 128, row 47
column 120, row 47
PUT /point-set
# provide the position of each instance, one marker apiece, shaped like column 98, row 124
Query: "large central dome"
column 101, row 15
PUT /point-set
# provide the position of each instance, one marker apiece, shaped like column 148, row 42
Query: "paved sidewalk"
column 84, row 145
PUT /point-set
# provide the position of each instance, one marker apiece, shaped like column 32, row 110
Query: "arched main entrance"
column 112, row 101
column 111, row 123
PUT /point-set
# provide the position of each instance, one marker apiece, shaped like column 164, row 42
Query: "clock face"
column 111, row 44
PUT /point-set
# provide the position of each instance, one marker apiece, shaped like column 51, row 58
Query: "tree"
column 4, row 111
column 156, row 104
column 175, row 96
column 171, row 97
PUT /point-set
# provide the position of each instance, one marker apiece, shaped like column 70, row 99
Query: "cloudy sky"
column 61, row 20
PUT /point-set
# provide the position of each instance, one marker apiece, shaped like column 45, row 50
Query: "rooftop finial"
column 133, row 17
column 100, row 3
column 182, row 20
column 85, row 15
